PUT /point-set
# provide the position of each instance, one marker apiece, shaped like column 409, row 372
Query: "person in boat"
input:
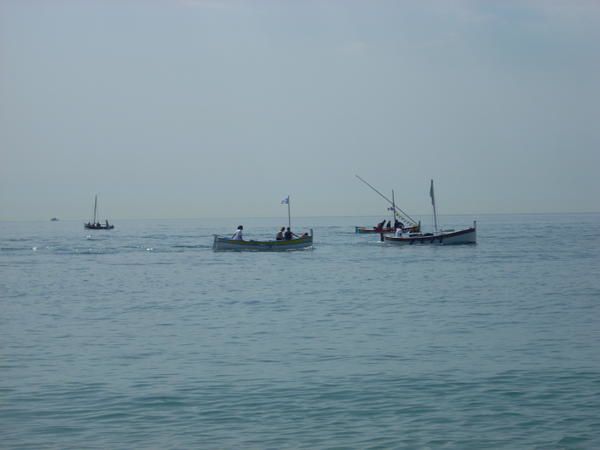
column 106, row 223
column 388, row 224
column 288, row 235
column 237, row 236
column 398, row 224
column 304, row 235
column 280, row 234
column 398, row 232
column 380, row 225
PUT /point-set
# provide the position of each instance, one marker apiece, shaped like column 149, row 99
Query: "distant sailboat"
column 94, row 224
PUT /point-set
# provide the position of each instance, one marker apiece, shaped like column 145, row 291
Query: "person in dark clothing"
column 388, row 224
column 380, row 225
column 288, row 234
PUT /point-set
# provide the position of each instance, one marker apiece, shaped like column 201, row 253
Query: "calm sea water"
column 142, row 337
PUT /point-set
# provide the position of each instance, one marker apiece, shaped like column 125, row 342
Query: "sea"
column 144, row 338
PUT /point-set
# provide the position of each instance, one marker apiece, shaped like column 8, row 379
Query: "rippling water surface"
column 142, row 337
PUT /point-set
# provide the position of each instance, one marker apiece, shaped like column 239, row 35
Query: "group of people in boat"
column 382, row 225
column 285, row 234
column 97, row 224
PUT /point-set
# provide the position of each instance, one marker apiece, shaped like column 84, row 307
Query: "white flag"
column 286, row 201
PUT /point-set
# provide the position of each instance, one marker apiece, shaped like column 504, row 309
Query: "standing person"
column 280, row 234
column 237, row 236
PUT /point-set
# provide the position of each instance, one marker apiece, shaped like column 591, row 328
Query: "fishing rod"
column 405, row 216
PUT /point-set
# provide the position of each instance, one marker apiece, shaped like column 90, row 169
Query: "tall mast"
column 393, row 208
column 95, row 206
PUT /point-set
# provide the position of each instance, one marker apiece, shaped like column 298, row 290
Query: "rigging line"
column 414, row 222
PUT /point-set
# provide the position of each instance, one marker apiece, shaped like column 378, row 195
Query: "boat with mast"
column 408, row 222
column 440, row 237
column 304, row 241
column 94, row 224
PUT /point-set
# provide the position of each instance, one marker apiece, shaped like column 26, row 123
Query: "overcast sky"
column 208, row 108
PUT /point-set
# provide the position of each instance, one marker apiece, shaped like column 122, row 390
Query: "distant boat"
column 94, row 224
column 54, row 219
column 222, row 243
column 443, row 237
column 407, row 222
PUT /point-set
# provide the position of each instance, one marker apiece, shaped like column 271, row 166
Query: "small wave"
column 14, row 249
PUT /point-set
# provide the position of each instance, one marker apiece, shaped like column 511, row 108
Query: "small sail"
column 431, row 194
column 433, row 204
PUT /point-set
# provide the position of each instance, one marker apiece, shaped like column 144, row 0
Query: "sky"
column 221, row 108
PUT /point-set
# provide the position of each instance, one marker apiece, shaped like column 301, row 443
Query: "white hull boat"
column 442, row 237
column 448, row 237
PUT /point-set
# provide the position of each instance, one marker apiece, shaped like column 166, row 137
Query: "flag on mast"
column 286, row 201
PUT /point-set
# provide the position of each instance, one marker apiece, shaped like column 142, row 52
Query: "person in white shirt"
column 398, row 232
column 279, row 236
column 237, row 236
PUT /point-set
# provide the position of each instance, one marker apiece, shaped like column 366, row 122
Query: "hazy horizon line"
column 307, row 217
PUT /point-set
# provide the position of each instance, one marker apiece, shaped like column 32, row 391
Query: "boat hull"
column 226, row 244
column 88, row 226
column 466, row 236
column 362, row 230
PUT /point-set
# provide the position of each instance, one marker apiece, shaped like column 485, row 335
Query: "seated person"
column 237, row 236
column 279, row 236
column 380, row 225
column 288, row 234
